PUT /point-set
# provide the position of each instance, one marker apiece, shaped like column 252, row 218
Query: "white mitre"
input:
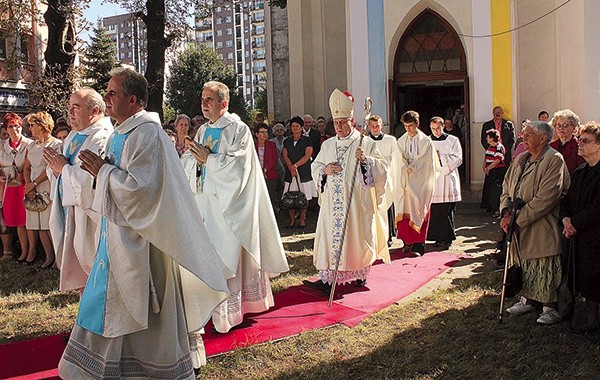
column 341, row 104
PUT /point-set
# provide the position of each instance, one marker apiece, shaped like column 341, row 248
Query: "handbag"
column 294, row 200
column 10, row 173
column 38, row 203
column 514, row 281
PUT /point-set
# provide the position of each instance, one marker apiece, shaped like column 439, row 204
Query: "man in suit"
column 506, row 129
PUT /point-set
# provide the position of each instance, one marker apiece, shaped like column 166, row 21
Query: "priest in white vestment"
column 156, row 277
column 389, row 150
column 447, row 186
column 350, row 175
column 415, row 172
column 73, row 223
column 232, row 196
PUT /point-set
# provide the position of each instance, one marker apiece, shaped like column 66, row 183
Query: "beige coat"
column 543, row 184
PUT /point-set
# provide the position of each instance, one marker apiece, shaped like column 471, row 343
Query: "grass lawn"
column 451, row 334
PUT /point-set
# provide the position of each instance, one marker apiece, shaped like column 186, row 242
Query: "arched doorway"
column 430, row 77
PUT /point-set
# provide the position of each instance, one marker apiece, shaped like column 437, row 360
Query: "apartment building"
column 129, row 35
column 237, row 33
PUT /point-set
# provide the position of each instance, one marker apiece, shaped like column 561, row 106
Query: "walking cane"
column 368, row 106
column 516, row 206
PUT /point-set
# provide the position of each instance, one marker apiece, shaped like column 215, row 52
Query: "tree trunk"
column 156, row 46
column 60, row 52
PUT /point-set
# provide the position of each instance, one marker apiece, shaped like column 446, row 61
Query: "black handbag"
column 294, row 200
column 514, row 281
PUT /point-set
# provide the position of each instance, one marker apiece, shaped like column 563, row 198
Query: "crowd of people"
column 162, row 228
column 543, row 179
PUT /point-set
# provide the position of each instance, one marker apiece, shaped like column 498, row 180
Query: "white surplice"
column 447, row 185
column 75, row 234
column 414, row 173
column 164, row 278
column 365, row 239
column 232, row 196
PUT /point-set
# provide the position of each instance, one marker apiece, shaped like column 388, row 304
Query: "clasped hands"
column 335, row 168
column 199, row 152
column 568, row 229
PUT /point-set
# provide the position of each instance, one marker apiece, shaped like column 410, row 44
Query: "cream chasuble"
column 163, row 277
column 73, row 223
column 232, row 196
column 365, row 239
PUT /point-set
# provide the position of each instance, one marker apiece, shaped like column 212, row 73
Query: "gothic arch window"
column 429, row 45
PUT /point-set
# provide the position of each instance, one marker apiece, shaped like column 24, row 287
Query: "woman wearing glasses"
column 539, row 178
column 565, row 123
column 581, row 220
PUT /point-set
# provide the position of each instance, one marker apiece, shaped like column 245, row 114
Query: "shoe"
column 319, row 285
column 496, row 214
column 549, row 316
column 406, row 249
column 360, row 283
column 21, row 261
column 436, row 244
column 301, row 226
column 418, row 248
column 520, row 307
column 289, row 226
column 50, row 265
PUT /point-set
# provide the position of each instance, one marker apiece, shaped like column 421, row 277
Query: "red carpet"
column 296, row 310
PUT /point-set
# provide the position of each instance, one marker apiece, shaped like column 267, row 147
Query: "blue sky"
column 98, row 9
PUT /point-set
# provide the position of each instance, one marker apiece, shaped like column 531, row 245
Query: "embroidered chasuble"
column 74, row 226
column 365, row 239
column 233, row 200
column 156, row 278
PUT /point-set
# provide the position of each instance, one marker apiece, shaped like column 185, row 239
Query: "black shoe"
column 360, row 283
column 319, row 285
column 418, row 248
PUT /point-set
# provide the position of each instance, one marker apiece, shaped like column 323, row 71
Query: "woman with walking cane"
column 581, row 220
column 350, row 175
column 540, row 178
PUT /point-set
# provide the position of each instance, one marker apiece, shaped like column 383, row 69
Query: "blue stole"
column 70, row 154
column 211, row 140
column 92, row 307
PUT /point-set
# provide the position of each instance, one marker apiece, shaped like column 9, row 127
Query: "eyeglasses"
column 564, row 125
column 585, row 141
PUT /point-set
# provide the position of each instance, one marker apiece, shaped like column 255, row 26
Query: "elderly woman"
column 494, row 169
column 12, row 157
column 37, row 182
column 297, row 153
column 182, row 127
column 565, row 122
column 539, row 178
column 581, row 220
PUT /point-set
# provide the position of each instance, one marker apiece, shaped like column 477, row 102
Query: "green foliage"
column 190, row 71
column 278, row 3
column 99, row 59
column 261, row 101
column 169, row 113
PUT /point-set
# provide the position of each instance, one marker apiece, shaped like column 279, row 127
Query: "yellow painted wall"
column 501, row 56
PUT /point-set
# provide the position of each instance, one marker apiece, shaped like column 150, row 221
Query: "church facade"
column 443, row 57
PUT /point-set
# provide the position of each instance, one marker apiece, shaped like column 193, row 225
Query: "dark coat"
column 507, row 134
column 581, row 204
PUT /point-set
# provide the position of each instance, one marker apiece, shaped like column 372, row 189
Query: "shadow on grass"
column 469, row 343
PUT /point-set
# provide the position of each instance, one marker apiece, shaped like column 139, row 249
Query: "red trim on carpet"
column 297, row 309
